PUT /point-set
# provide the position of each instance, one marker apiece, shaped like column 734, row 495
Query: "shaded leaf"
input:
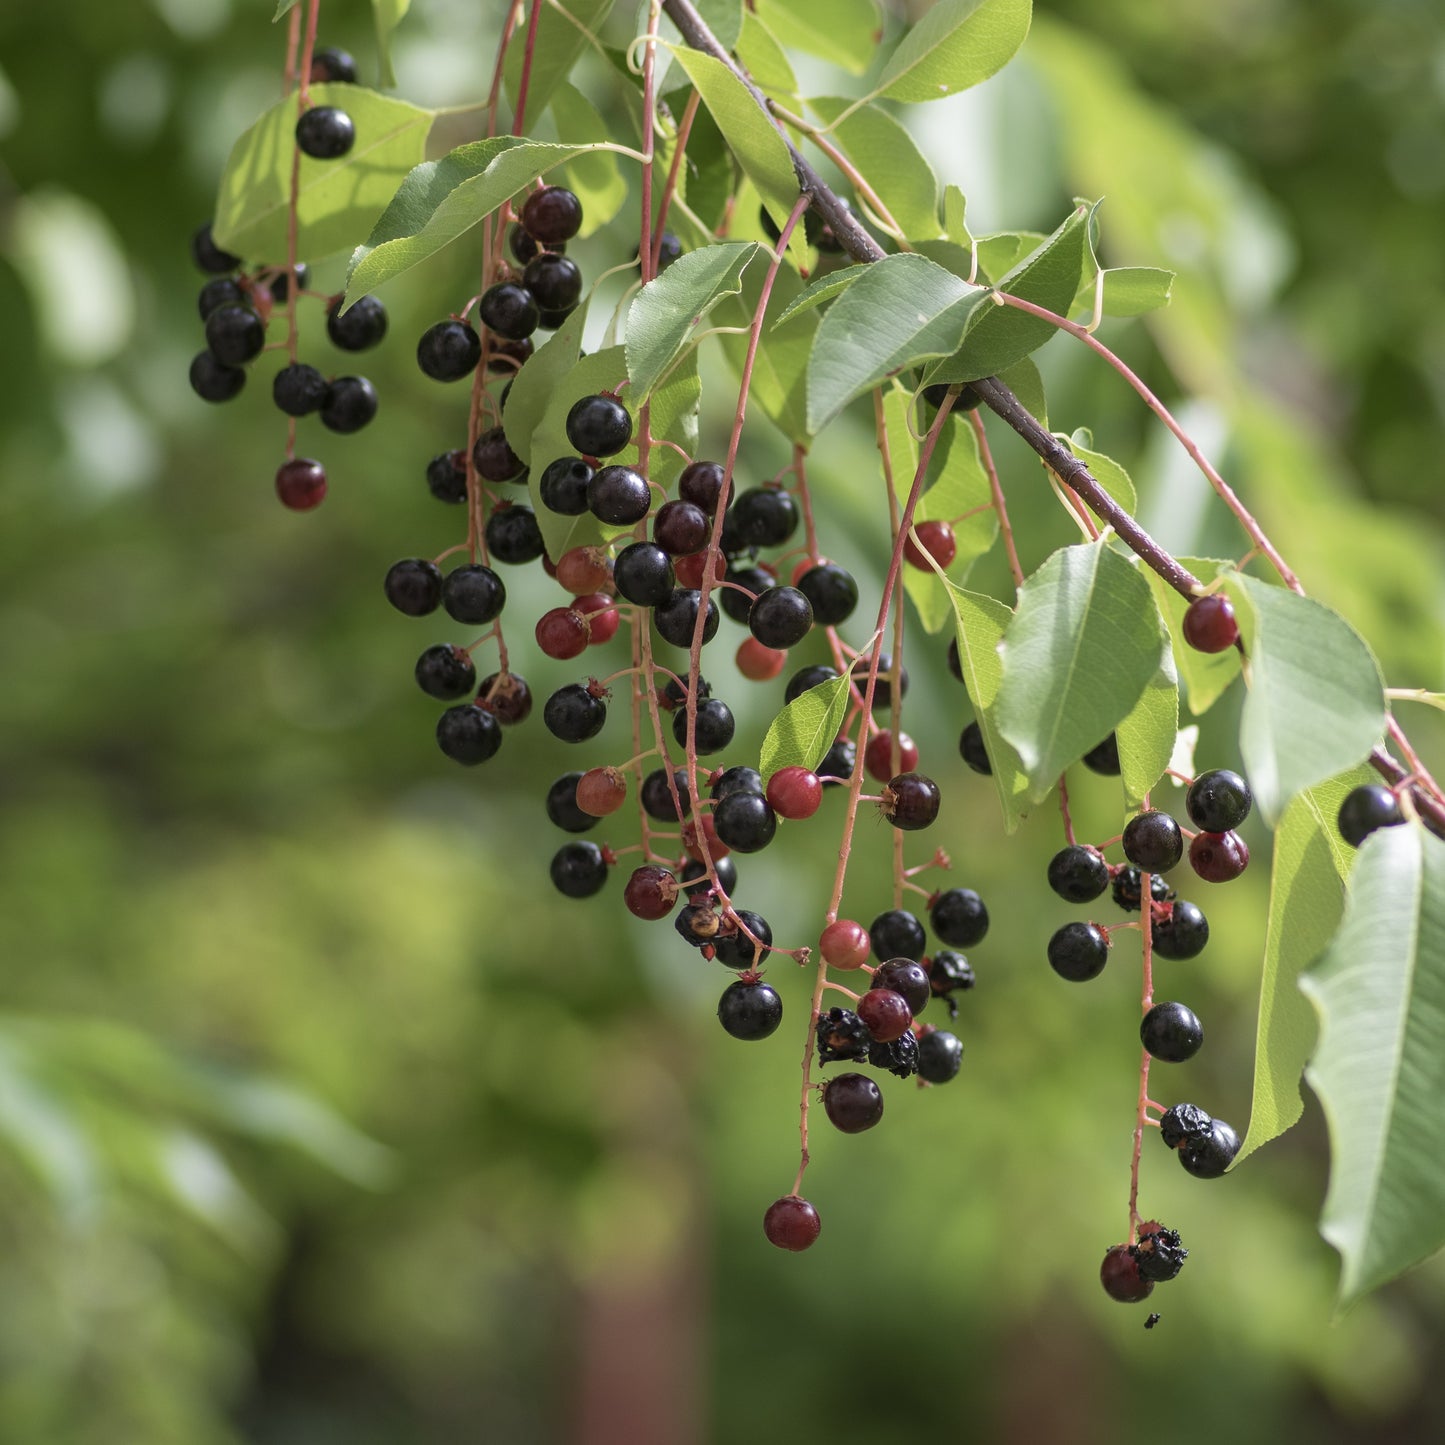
column 593, row 176
column 1147, row 737
column 800, row 735
column 562, row 31
column 766, row 61
column 388, row 15
column 1205, row 675
column 780, row 370
column 1128, row 291
column 957, row 44
column 533, row 385
column 845, row 32
column 815, row 293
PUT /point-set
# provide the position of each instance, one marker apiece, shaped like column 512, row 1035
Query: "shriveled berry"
column 468, row 735
column 301, row 484
column 414, row 586
column 449, row 350
column 845, row 944
column 1209, row 1158
column 1180, row 932
column 907, row 978
column 599, row 426
column 750, row 1011
column 445, row 672
column 1184, row 1122
column 1079, row 951
column 1128, row 887
column 897, row 934
column 885, row 1013
column 852, row 1102
column 1218, row 857
column 579, row 870
column 1160, row 1253
column 1171, row 1033
column 842, row 1037
column 1365, row 809
column 899, row 1056
column 698, row 924
column 959, row 917
column 940, row 1055
column 1153, row 842
column 506, row 696
column 791, row 1223
column 949, row 973
column 1078, row 874
column 1119, row 1274
column 795, row 792
column 1218, row 801
column 972, row 750
column 1209, row 623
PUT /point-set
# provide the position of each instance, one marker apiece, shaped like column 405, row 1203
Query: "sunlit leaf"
column 802, row 733
column 956, row 44
column 845, row 32
column 388, row 15
column 1147, row 736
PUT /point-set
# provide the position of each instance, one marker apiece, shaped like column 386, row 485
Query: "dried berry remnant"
column 1182, row 1123
column 1160, row 1253
column 1128, row 887
column 842, row 1036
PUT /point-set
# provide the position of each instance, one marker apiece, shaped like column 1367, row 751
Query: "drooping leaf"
column 1147, row 736
column 957, row 44
column 1306, row 899
column 337, row 199
column 1379, row 1070
column 1000, row 252
column 889, row 159
column 594, row 176
column 1205, row 675
column 781, row 366
column 1128, row 291
column 1080, row 650
column 282, row 6
column 663, row 314
column 979, row 623
column 955, row 227
column 800, row 735
column 845, row 32
column 815, row 293
column 1316, row 703
column 1107, row 472
column 533, row 385
column 563, row 29
column 443, row 199
column 767, row 62
column 903, row 310
column 388, row 15
column 674, row 418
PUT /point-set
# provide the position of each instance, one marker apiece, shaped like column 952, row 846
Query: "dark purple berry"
column 744, row 821
column 643, row 574
column 897, row 934
column 506, row 696
column 701, row 484
column 695, row 882
column 1218, row 857
column 832, row 592
column 562, row 806
column 1119, row 1274
column 578, row 869
column 908, row 978
column 449, row 350
column 445, row 672
column 790, row 1223
column 494, row 459
column 852, row 1102
column 1079, row 951
column 656, row 796
column 910, row 802
column 1209, row 624
column 361, row 327
column 1170, row 1032
column 552, row 215
column 744, row 586
column 325, row 133
column 468, row 735
column 680, row 528
column 414, row 586
column 1153, row 842
column 781, row 617
column 1078, row 874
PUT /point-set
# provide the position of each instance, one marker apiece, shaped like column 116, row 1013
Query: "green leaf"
column 1023, row 379
column 594, row 177
column 674, row 418
column 980, row 622
column 443, row 199
column 955, row 206
column 1205, row 675
column 40, row 1127
column 825, row 288
column 282, row 6
column 1306, row 899
column 889, row 159
column 534, row 384
column 1107, row 472
column 1316, row 703
column 845, row 32
column 800, row 735
column 903, row 310
column 1147, row 736
column 388, row 15
column 957, row 44
column 781, row 367
column 767, row 62
column 337, row 200
column 1079, row 652
column 754, row 140
column 562, row 35
column 1380, row 1067
column 999, row 253
column 1128, row 291
column 662, row 316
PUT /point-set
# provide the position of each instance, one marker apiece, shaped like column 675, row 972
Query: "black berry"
column 1218, row 801
column 473, row 594
column 764, row 517
column 750, row 1010
column 1365, row 809
column 911, row 801
column 298, row 389
column 555, row 282
column 832, row 592
column 742, row 581
column 1078, row 874
column 676, row 618
column 414, row 586
column 508, row 310
column 562, row 806
column 807, row 678
column 578, row 869
column 494, row 459
column 680, row 528
column 714, row 728
column 1181, row 932
column 899, row 1056
column 362, row 326
column 781, row 617
column 599, row 426
column 552, row 215
column 1160, row 1254
column 235, row 334
column 701, row 484
column 1153, row 842
column 959, row 917
column 735, row 780
column 208, row 256
column 1210, row 1157
column 513, row 536
column 573, row 714
column 656, row 796
column 1128, row 886
column 618, row 496
column 643, row 574
column 325, row 133
column 1079, row 951
column 972, row 750
column 213, row 380
column 897, row 934
column 940, row 1054
column 468, row 735
column 745, row 821
column 350, row 403
column 449, row 351
column 841, row 1037
column 330, row 64
column 1170, row 1032
column 736, row 949
column 445, row 672
column 221, row 292
column 563, row 486
column 446, row 477
column 1104, row 758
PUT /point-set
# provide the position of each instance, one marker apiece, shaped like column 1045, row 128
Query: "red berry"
column 601, row 791
column 689, row 570
column 715, row 846
column 1119, row 1274
column 794, row 792
column 301, row 484
column 791, row 1223
column 1218, row 857
column 936, row 540
column 758, row 663
column 603, row 618
column 584, row 569
column 878, row 756
column 651, row 892
column 562, row 633
column 845, row 944
column 886, row 1013
column 1209, row 624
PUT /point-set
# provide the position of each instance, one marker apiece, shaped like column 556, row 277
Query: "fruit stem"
column 684, row 130
column 1146, row 1002
column 525, row 80
column 996, row 489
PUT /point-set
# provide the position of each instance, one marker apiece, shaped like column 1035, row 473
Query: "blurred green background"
column 323, row 1119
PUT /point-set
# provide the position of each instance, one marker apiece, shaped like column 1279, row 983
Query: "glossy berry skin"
column 446, row 477
column 832, row 592
column 525, row 248
column 213, row 380
column 907, row 978
column 1181, row 933
column 1171, row 1033
column 781, row 617
column 449, row 350
column 935, row 540
column 1079, row 951
column 1119, row 1274
column 950, row 973
column 701, row 484
column 795, row 792
column 445, row 672
column 733, row 780
column 554, row 282
column 1128, row 887
column 741, row 581
column 764, row 517
column 1103, row 758
column 807, row 678
column 618, row 496
column 301, row 484
column 330, row 64
column 235, row 334
column 1078, row 874
column 552, row 215
column 1366, row 809
column 508, row 310
column 972, row 750
column 299, row 390
column 220, row 292
column 651, row 893
column 885, row 1013
column 714, row 728
column 467, row 735
column 1209, row 624
column 883, row 686
column 680, row 528
column 745, row 822
column 599, row 426
column 208, row 256
column 643, row 574
column 1153, row 842
column 1210, row 1157
column 940, row 1056
column 791, row 1223
column 878, row 755
column 414, row 586
column 506, row 696
column 350, row 404
column 676, row 618
column 1184, row 1122
column 737, row 950
column 473, row 594
column 852, row 1102
column 325, row 133
column 758, row 663
column 361, row 327
column 845, row 944
column 579, row 869
column 573, row 714
column 897, row 934
column 562, row 806
column 513, row 536
column 839, row 761
column 564, row 486
column 561, row 633
column 656, row 796
column 494, row 459
column 1218, row 801
column 959, row 917
column 750, row 1011
column 1218, row 857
